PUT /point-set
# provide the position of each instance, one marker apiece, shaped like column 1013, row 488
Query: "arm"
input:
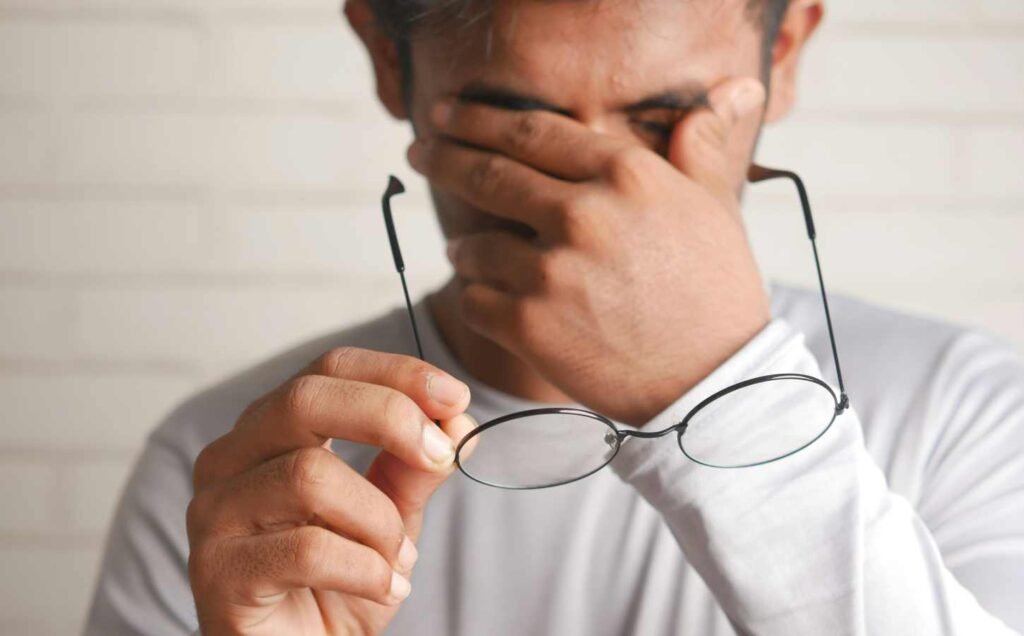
column 816, row 543
column 637, row 283
column 143, row 583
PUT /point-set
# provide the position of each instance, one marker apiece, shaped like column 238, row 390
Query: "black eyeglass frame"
column 756, row 174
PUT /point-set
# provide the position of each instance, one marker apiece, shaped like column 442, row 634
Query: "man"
column 586, row 161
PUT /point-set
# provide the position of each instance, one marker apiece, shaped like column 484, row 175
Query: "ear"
column 799, row 23
column 383, row 54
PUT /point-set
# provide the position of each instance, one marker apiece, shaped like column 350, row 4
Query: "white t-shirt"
column 906, row 517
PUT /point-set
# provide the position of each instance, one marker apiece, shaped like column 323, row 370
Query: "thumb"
column 712, row 145
column 410, row 488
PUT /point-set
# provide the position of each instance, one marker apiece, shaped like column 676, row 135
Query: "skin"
column 284, row 537
column 591, row 325
column 599, row 256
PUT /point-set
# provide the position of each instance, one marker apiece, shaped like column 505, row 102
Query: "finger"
column 552, row 143
column 710, row 143
column 309, row 485
column 410, row 488
column 493, row 183
column 311, row 409
column 499, row 259
column 434, row 390
column 252, row 569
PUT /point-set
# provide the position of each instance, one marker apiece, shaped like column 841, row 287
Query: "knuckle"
column 485, row 174
column 335, row 362
column 196, row 515
column 305, row 471
column 574, row 215
column 705, row 137
column 251, row 411
column 302, row 394
column 310, row 546
column 379, row 576
column 628, row 166
column 213, row 464
column 716, row 129
column 408, row 371
column 399, row 411
column 390, row 527
column 548, row 263
column 519, row 319
column 526, row 132
column 202, row 468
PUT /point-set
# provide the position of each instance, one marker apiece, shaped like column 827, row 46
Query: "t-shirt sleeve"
column 817, row 542
column 972, row 498
column 143, row 586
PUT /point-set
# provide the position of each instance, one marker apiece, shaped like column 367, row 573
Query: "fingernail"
column 467, row 449
column 407, row 554
column 400, row 588
column 441, row 112
column 446, row 390
column 747, row 97
column 415, row 154
column 437, row 445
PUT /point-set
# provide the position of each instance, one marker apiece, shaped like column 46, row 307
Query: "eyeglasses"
column 546, row 447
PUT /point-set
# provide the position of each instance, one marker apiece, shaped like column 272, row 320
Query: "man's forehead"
column 564, row 51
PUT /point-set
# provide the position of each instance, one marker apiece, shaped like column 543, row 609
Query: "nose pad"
column 611, row 439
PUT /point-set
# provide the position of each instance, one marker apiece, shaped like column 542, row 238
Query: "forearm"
column 814, row 543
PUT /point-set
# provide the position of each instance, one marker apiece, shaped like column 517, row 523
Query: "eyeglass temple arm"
column 760, row 173
column 395, row 187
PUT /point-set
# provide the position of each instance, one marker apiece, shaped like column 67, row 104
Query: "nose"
column 605, row 124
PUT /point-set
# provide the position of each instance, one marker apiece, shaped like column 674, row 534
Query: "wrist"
column 776, row 348
column 664, row 386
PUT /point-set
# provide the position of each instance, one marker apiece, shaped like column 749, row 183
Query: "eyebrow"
column 685, row 97
column 501, row 97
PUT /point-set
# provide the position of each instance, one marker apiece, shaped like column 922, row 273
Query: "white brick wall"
column 188, row 185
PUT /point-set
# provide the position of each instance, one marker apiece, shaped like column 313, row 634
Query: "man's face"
column 628, row 68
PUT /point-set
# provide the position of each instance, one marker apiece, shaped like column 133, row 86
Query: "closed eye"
column 656, row 128
column 660, row 121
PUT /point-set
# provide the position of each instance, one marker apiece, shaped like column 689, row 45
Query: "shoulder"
column 883, row 347
column 212, row 412
column 926, row 391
